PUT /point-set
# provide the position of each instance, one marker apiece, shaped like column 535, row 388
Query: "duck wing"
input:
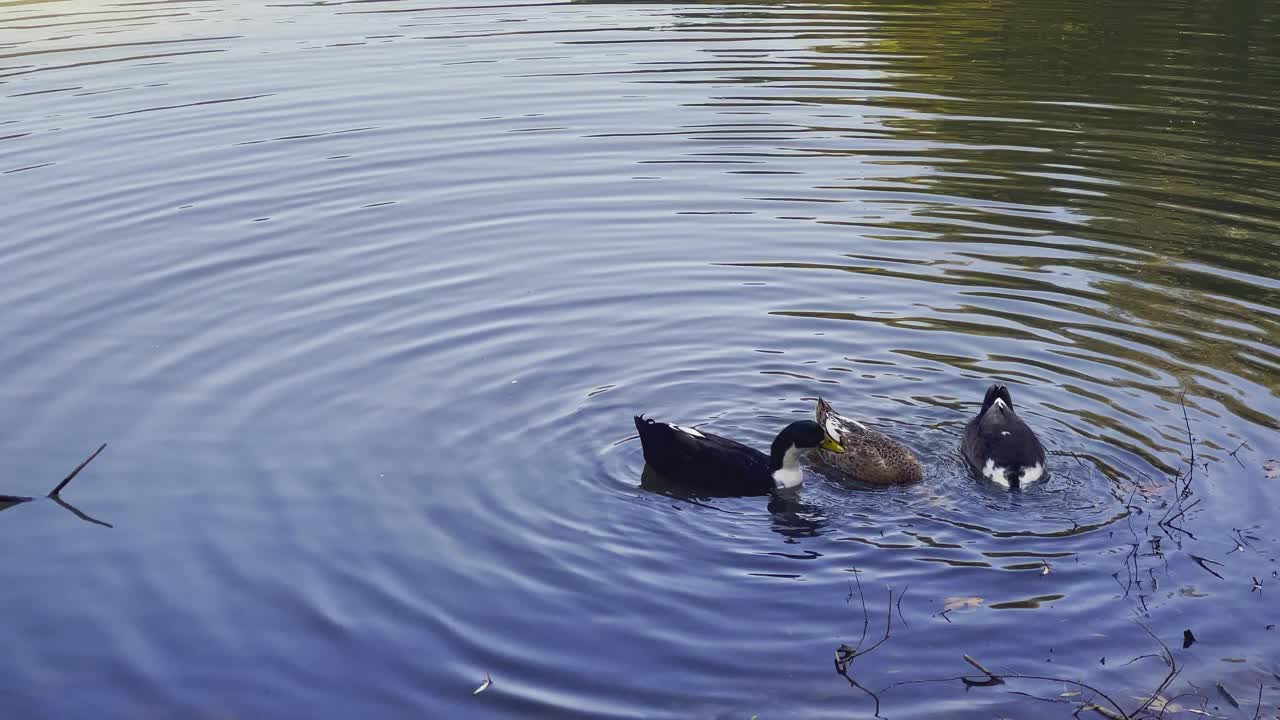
column 840, row 427
column 702, row 459
column 869, row 455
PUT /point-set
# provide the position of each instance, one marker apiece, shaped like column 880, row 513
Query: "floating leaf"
column 961, row 603
column 484, row 685
column 1271, row 469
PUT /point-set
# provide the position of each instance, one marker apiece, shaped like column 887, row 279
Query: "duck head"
column 794, row 441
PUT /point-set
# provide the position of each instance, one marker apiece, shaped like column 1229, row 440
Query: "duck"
column 999, row 446
column 869, row 455
column 723, row 467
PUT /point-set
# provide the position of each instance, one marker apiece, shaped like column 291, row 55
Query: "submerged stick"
column 75, row 472
column 981, row 669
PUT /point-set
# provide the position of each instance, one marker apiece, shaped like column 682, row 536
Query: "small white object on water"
column 484, row 685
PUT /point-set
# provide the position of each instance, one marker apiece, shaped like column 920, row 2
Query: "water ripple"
column 364, row 295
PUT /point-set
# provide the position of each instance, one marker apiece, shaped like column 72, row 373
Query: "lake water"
column 364, row 296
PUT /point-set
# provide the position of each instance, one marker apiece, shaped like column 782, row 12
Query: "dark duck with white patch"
column 999, row 445
column 720, row 466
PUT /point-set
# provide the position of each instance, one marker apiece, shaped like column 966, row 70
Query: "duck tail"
column 655, row 439
column 646, row 428
column 823, row 410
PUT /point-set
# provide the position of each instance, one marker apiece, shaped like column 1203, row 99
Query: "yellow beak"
column 829, row 443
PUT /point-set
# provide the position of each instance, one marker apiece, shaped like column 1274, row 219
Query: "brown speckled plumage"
column 869, row 455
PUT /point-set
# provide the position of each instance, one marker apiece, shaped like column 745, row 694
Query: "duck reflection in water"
column 791, row 516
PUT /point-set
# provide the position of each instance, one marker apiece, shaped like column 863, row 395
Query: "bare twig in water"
column 1168, row 679
column 1183, row 492
column 1233, row 452
column 846, row 655
column 866, row 619
column 1258, row 711
column 79, row 513
column 992, row 678
column 75, row 472
column 1205, row 562
column 1227, row 694
column 1190, row 443
column 901, row 595
column 1100, row 702
column 55, row 495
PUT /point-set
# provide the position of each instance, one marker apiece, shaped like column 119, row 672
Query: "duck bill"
column 829, row 443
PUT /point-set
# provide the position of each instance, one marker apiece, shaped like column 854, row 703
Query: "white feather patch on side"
column 1032, row 474
column 689, row 431
column 835, row 425
column 995, row 474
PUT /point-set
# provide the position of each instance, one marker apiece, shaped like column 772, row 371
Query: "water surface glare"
column 363, row 295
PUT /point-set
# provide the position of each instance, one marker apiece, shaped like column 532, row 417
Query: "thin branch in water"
column 1258, row 711
column 1191, row 471
column 1143, row 657
column 1204, row 563
column 1119, row 711
column 79, row 513
column 992, row 678
column 1168, row 679
column 866, row 619
column 845, row 655
column 1233, row 452
column 902, row 617
column 75, row 472
column 855, row 683
column 1227, row 694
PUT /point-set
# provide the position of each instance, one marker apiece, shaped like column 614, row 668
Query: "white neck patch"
column 789, row 475
column 1000, row 404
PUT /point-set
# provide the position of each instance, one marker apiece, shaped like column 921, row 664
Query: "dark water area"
column 364, row 295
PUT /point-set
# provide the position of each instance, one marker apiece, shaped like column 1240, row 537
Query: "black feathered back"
column 712, row 464
column 999, row 435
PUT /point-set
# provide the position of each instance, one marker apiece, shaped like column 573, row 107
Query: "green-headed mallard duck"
column 721, row 466
column 869, row 455
column 999, row 445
